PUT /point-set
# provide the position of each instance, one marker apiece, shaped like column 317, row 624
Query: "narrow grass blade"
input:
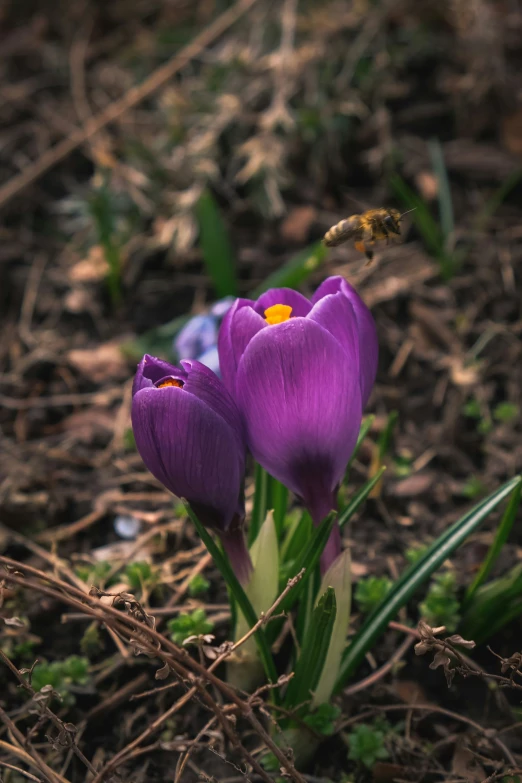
column 493, row 605
column 102, row 213
column 447, row 221
column 313, row 652
column 279, row 497
column 309, row 559
column 416, row 575
column 503, row 531
column 491, row 206
column 359, row 498
column 262, row 502
column 157, row 341
column 363, row 432
column 238, row 593
column 422, row 217
column 381, row 450
column 295, row 271
column 215, row 246
column 427, row 225
column 297, row 537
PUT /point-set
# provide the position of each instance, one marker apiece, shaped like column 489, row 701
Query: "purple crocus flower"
column 300, row 372
column 190, row 436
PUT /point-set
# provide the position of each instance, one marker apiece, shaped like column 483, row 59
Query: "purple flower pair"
column 296, row 376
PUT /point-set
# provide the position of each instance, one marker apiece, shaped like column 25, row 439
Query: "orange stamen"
column 277, row 314
column 171, row 382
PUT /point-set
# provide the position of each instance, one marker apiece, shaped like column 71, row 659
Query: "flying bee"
column 366, row 229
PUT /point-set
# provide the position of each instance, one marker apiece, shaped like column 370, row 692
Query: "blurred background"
column 158, row 156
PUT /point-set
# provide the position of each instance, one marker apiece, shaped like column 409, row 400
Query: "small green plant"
column 370, row 592
column 441, row 606
column 61, row 675
column 366, row 745
column 323, row 719
column 414, row 553
column 473, row 488
column 198, row 585
column 193, row 624
column 91, row 642
column 95, row 574
column 402, row 464
column 129, row 442
column 506, row 412
column 140, row 574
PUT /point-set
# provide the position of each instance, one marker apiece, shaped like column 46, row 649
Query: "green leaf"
column 295, row 271
column 359, row 498
column 297, row 537
column 415, row 576
column 313, row 652
column 239, row 595
column 262, row 502
column 338, row 577
column 279, row 495
column 215, row 246
column 363, row 432
column 503, row 531
column 309, row 559
column 493, row 605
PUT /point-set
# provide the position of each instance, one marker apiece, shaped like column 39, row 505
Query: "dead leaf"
column 101, row 363
column 14, row 622
column 91, row 269
column 414, row 485
column 465, row 764
column 427, row 184
column 512, row 132
column 296, row 226
column 359, row 569
column 163, row 673
column 386, row 772
column 88, row 424
column 410, row 692
column 78, row 300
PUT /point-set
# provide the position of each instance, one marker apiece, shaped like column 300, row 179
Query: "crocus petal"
column 368, row 344
column 150, row 371
column 239, row 325
column 285, row 296
column 301, row 402
column 211, row 360
column 206, row 386
column 191, row 449
column 336, row 314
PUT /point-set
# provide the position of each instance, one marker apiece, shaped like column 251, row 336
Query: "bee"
column 366, row 229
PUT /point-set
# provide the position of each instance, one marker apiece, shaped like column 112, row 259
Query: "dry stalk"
column 134, row 630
